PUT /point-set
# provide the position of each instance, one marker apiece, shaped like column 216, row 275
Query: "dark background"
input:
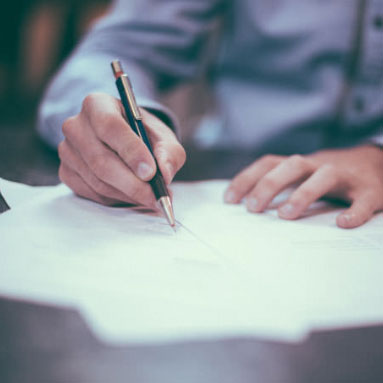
column 35, row 37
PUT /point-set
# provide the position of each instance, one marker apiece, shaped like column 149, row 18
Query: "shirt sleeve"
column 160, row 43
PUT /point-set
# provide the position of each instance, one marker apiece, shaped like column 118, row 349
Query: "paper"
column 225, row 272
column 17, row 194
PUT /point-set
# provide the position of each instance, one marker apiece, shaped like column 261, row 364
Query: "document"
column 224, row 272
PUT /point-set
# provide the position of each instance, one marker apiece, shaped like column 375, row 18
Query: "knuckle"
column 268, row 182
column 178, row 154
column 370, row 199
column 125, row 153
column 98, row 186
column 269, row 159
column 133, row 153
column 181, row 154
column 298, row 161
column 107, row 125
column 304, row 195
column 69, row 127
column 89, row 102
column 161, row 150
column 236, row 182
column 98, row 164
column 242, row 181
column 61, row 150
column 330, row 170
column 103, row 131
column 64, row 175
column 337, row 178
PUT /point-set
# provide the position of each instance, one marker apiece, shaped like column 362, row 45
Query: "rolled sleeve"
column 160, row 44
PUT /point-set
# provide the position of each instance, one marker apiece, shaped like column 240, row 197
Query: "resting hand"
column 353, row 175
column 102, row 159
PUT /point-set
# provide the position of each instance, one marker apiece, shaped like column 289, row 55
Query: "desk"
column 40, row 343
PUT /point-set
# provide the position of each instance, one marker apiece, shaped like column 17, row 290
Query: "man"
column 305, row 76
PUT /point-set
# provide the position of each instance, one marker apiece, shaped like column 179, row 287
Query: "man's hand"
column 353, row 175
column 102, row 159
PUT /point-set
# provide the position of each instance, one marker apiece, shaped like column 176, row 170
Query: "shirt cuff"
column 161, row 112
column 377, row 139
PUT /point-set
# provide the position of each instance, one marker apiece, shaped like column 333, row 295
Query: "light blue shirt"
column 299, row 74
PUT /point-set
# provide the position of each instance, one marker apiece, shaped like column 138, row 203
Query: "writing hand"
column 102, row 159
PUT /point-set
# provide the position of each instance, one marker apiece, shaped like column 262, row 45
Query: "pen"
column 3, row 204
column 134, row 117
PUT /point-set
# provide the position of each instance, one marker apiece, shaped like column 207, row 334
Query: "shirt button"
column 378, row 22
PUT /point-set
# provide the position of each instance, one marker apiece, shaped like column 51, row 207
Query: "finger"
column 72, row 159
column 248, row 178
column 293, row 169
column 169, row 153
column 107, row 165
column 361, row 210
column 104, row 114
column 323, row 181
column 76, row 183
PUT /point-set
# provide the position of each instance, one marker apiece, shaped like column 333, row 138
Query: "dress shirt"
column 297, row 74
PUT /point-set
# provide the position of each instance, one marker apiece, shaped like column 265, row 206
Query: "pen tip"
column 167, row 208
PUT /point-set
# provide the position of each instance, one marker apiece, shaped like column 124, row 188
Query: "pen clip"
column 130, row 96
column 123, row 80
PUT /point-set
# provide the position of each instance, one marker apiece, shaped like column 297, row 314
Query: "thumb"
column 361, row 211
column 169, row 153
column 170, row 156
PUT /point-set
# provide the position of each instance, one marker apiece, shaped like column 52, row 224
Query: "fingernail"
column 345, row 219
column 229, row 196
column 144, row 171
column 287, row 210
column 251, row 204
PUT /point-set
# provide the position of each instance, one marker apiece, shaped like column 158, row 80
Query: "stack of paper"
column 225, row 272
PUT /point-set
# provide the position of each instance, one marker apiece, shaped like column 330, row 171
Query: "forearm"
column 73, row 83
column 159, row 43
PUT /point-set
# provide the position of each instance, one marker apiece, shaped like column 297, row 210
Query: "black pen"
column 134, row 118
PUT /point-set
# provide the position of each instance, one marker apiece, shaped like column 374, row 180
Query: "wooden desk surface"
column 43, row 344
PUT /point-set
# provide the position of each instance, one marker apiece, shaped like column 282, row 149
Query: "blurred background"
column 35, row 37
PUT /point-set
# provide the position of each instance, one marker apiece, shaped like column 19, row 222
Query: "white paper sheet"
column 17, row 194
column 225, row 272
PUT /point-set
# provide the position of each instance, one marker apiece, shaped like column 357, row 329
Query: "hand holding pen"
column 104, row 160
column 135, row 120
